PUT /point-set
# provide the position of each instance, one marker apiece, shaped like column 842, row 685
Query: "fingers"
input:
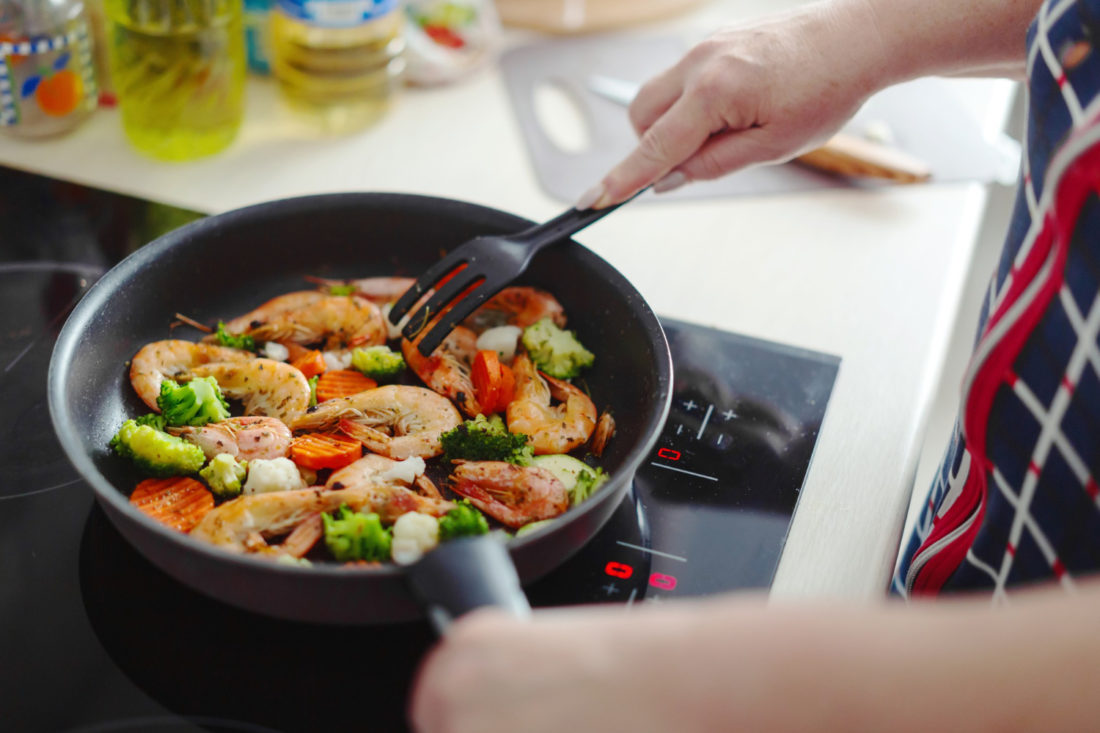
column 674, row 137
column 654, row 99
column 717, row 155
column 731, row 151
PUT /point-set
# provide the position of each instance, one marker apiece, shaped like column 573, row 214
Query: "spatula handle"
column 564, row 225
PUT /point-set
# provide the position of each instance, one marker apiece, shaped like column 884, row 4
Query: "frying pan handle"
column 464, row 574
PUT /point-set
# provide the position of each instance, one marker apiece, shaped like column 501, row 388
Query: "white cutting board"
column 925, row 118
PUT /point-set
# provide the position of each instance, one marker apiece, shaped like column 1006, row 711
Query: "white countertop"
column 871, row 276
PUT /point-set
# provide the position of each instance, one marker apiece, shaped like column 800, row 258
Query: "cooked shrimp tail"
column 518, row 305
column 513, row 495
column 552, row 428
column 311, row 317
column 244, row 524
column 244, row 438
column 168, row 359
column 396, row 421
column 447, row 370
column 264, row 386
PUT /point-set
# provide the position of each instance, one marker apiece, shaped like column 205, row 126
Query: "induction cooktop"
column 94, row 638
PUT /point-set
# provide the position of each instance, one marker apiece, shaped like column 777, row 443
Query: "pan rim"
column 64, row 426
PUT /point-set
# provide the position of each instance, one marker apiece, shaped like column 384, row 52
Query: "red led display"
column 618, row 570
column 672, row 455
column 662, row 581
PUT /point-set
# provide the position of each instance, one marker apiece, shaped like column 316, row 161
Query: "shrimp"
column 265, row 386
column 552, row 429
column 378, row 290
column 397, row 421
column 514, row 495
column 243, row 524
column 168, row 359
column 447, row 370
column 605, row 430
column 303, row 537
column 518, row 305
column 244, row 438
column 309, row 317
column 375, row 470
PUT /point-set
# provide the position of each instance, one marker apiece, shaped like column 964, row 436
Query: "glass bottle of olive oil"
column 340, row 61
column 178, row 68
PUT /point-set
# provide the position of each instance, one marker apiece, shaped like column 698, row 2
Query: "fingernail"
column 591, row 197
column 673, row 180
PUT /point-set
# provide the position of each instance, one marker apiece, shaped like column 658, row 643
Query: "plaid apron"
column 1016, row 500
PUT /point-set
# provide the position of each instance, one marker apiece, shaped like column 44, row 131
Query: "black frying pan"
column 225, row 265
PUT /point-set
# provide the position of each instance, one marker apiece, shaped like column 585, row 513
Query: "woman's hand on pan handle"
column 772, row 89
column 585, row 669
column 735, row 663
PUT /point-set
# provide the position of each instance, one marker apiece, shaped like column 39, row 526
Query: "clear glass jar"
column 178, row 68
column 339, row 61
column 47, row 73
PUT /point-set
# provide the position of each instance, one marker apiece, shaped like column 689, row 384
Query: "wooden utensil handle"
column 853, row 156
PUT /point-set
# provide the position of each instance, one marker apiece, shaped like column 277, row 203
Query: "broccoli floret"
column 313, row 389
column 153, row 420
column 341, row 290
column 356, row 536
column 234, row 340
column 196, row 403
column 484, row 439
column 462, row 521
column 156, row 452
column 378, row 362
column 224, row 475
column 587, row 482
column 555, row 351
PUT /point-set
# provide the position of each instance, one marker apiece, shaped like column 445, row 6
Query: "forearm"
column 944, row 37
column 948, row 665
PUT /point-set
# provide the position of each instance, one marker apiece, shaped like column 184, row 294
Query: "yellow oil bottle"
column 340, row 62
column 178, row 68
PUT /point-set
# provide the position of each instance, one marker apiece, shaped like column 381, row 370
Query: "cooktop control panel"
column 713, row 501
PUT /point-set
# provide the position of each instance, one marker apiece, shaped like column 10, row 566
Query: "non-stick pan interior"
column 223, row 266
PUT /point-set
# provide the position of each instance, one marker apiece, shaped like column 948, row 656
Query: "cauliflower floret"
column 413, row 535
column 404, row 471
column 275, row 350
column 276, row 474
column 335, row 360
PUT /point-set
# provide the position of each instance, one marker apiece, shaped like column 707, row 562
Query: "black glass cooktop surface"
column 94, row 638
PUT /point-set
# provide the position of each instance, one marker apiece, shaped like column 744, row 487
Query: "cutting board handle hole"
column 562, row 116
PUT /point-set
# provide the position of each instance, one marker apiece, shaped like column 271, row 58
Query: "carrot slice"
column 507, row 387
column 294, row 351
column 485, row 374
column 311, row 363
column 177, row 501
column 324, row 450
column 342, row 383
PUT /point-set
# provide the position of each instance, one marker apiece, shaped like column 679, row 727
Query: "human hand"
column 494, row 672
column 589, row 668
column 760, row 93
